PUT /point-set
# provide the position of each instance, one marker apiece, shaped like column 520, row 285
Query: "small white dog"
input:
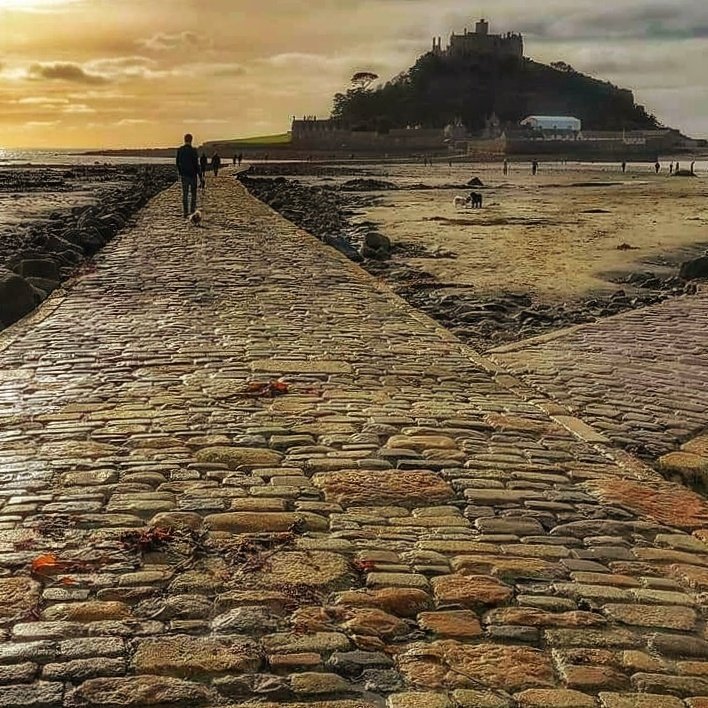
column 461, row 202
column 196, row 218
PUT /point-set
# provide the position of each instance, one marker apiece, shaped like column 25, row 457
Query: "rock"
column 240, row 457
column 418, row 699
column 381, row 488
column 402, row 602
column 554, row 698
column 457, row 624
column 678, row 618
column 353, row 663
column 93, row 611
column 42, row 694
column 665, row 503
column 312, row 683
column 44, row 285
column 18, row 597
column 475, row 182
column 138, row 692
column 195, row 657
column 448, row 664
column 475, row 591
column 694, row 269
column 17, row 298
column 257, row 522
column 244, row 620
column 177, row 520
column 313, row 569
column 366, row 185
column 375, row 622
column 38, row 268
column 692, row 469
column 376, row 246
column 343, row 246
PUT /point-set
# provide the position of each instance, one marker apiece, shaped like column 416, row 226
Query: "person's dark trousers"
column 189, row 188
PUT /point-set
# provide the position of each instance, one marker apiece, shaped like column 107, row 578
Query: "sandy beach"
column 572, row 244
column 565, row 234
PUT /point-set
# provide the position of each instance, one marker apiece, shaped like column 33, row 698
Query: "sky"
column 140, row 73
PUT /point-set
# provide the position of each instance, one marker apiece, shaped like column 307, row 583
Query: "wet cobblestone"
column 398, row 529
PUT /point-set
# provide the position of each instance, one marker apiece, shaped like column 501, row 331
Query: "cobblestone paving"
column 398, row 529
column 639, row 378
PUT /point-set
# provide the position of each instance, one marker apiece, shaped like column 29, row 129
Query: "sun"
column 33, row 5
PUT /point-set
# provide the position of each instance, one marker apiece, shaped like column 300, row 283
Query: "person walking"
column 188, row 169
column 203, row 166
column 240, row 159
column 657, row 167
column 693, row 168
column 671, row 168
column 216, row 163
column 534, row 167
column 506, row 168
column 624, row 167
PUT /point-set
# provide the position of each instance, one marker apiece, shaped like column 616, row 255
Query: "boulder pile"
column 49, row 252
column 326, row 212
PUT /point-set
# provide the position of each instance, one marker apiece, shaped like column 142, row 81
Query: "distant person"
column 534, row 167
column 506, row 168
column 624, row 168
column 188, row 169
column 240, row 159
column 215, row 163
column 693, row 167
column 233, row 159
column 671, row 168
column 657, row 167
column 203, row 166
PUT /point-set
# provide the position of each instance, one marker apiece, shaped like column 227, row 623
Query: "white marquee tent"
column 553, row 123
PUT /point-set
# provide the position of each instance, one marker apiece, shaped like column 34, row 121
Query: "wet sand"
column 564, row 235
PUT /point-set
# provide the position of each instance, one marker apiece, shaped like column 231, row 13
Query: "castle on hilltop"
column 480, row 43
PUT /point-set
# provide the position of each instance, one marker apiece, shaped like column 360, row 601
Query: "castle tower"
column 482, row 27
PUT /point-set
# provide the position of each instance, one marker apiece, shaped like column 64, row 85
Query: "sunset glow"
column 90, row 73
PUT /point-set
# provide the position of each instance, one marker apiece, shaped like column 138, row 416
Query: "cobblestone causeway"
column 639, row 378
column 399, row 529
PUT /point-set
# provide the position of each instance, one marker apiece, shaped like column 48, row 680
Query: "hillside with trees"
column 440, row 90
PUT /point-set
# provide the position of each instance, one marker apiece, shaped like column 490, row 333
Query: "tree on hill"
column 364, row 79
column 438, row 90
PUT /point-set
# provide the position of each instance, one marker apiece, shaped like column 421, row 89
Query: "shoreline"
column 340, row 214
column 61, row 218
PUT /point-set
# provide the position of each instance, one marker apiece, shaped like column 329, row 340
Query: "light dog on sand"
column 196, row 218
column 473, row 201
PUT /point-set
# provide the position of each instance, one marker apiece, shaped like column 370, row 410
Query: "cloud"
column 70, row 72
column 78, row 109
column 42, row 101
column 162, row 42
column 38, row 6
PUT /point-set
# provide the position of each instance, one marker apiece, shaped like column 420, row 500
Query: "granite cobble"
column 238, row 470
column 638, row 379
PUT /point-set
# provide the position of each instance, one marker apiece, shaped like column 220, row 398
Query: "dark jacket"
column 187, row 161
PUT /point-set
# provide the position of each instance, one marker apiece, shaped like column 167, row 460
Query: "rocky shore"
column 333, row 213
column 45, row 244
